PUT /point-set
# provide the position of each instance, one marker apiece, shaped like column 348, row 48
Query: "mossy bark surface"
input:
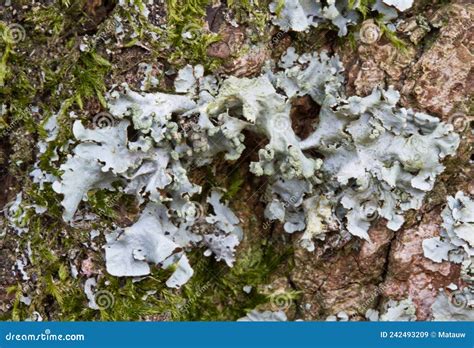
column 64, row 57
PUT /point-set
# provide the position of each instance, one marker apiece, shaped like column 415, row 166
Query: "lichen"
column 264, row 316
column 379, row 160
column 445, row 309
column 125, row 179
column 301, row 15
column 399, row 311
column 456, row 240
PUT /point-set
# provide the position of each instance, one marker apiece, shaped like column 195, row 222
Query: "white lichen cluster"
column 256, row 315
column 455, row 244
column 457, row 306
column 456, row 240
column 378, row 159
column 403, row 310
column 365, row 158
column 301, row 15
column 341, row 316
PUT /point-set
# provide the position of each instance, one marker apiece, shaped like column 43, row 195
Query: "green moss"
column 55, row 291
column 49, row 17
column 392, row 36
column 253, row 14
column 6, row 50
column 236, row 182
column 349, row 40
column 363, row 6
column 187, row 18
column 89, row 75
column 128, row 300
column 16, row 312
column 215, row 292
column 279, row 7
column 106, row 204
column 55, row 77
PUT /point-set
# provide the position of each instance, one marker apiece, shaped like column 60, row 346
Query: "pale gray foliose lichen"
column 301, row 15
column 256, row 315
column 456, row 240
column 455, row 244
column 365, row 158
column 403, row 310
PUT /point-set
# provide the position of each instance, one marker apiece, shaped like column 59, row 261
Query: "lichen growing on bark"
column 228, row 160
